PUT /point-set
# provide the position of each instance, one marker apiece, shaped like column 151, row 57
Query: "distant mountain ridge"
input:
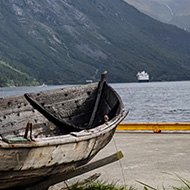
column 169, row 11
column 65, row 41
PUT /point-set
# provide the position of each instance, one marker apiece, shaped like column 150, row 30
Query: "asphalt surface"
column 154, row 159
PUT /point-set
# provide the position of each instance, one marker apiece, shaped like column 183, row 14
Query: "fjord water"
column 156, row 101
column 146, row 102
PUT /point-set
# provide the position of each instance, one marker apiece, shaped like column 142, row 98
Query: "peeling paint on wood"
column 60, row 141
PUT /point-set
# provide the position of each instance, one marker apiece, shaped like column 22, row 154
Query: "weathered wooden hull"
column 24, row 163
column 25, row 166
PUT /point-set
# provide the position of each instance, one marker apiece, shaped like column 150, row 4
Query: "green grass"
column 185, row 185
column 101, row 185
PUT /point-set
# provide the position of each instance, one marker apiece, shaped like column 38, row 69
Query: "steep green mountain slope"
column 65, row 41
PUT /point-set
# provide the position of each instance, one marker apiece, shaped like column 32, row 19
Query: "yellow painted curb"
column 155, row 126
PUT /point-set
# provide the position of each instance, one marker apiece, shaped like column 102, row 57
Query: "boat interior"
column 57, row 112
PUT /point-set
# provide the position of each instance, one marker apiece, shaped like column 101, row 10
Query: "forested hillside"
column 65, row 41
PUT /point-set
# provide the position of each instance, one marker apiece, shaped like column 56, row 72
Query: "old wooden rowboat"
column 55, row 131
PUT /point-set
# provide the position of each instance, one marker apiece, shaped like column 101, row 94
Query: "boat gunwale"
column 69, row 138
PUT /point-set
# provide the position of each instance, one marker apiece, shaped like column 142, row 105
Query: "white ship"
column 143, row 76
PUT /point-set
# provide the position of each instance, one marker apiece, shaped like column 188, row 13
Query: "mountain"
column 169, row 11
column 65, row 41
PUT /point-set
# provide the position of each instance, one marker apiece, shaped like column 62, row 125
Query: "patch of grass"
column 99, row 185
column 185, row 185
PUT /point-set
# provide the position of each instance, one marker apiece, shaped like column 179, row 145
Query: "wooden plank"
column 49, row 116
column 98, row 98
column 155, row 126
column 78, row 171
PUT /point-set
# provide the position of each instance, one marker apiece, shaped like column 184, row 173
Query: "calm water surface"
column 146, row 102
